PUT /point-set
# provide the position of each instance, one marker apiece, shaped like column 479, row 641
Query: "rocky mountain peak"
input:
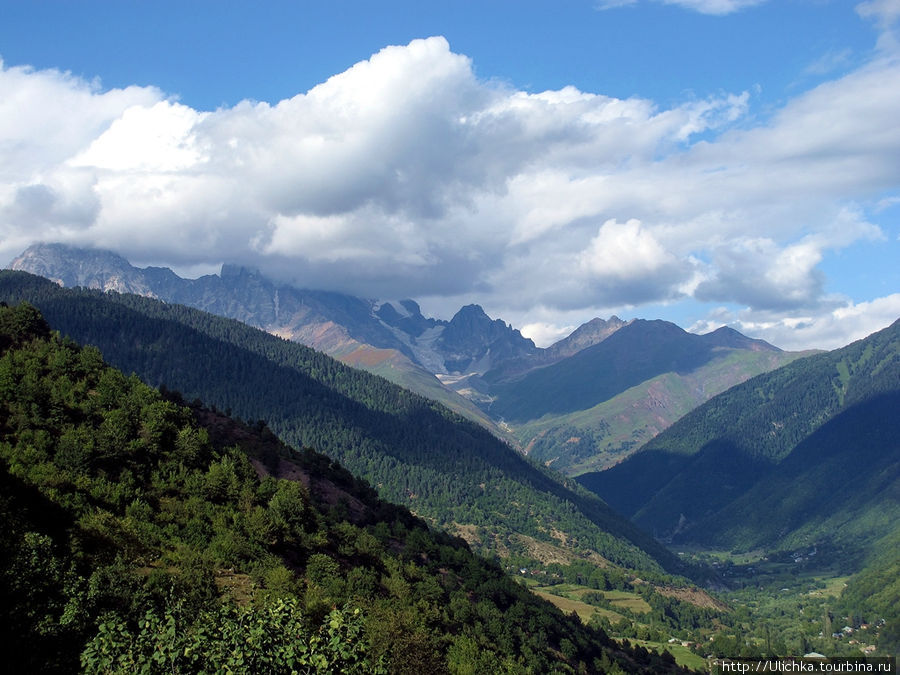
column 587, row 334
column 405, row 316
column 729, row 337
column 90, row 268
column 474, row 342
column 471, row 323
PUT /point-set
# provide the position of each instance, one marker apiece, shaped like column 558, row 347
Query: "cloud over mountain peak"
column 406, row 174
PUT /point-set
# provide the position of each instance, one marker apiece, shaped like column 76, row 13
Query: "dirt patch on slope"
column 695, row 596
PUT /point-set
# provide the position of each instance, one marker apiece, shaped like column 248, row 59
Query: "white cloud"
column 406, row 175
column 626, row 262
column 613, row 4
column 829, row 330
column 715, row 7
column 885, row 14
column 761, row 274
column 756, row 272
column 48, row 116
column 157, row 138
column 718, row 7
column 545, row 334
column 830, row 61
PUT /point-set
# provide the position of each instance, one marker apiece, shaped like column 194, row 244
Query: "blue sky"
column 705, row 161
column 213, row 53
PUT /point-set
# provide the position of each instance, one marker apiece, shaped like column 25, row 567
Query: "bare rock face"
column 473, row 342
column 88, row 268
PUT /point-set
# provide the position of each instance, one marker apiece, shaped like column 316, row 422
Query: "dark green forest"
column 146, row 535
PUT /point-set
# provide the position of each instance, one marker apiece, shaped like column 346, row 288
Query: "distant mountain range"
column 391, row 339
column 581, row 404
column 331, row 322
column 597, row 406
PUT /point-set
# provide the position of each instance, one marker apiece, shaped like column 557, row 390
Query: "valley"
column 409, row 338
column 773, row 605
column 414, row 451
column 777, row 560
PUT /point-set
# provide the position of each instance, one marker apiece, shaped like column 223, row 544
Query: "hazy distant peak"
column 729, row 337
column 587, row 334
column 470, row 311
column 411, row 306
column 401, row 308
column 404, row 315
column 52, row 253
column 473, row 316
column 230, row 271
column 599, row 326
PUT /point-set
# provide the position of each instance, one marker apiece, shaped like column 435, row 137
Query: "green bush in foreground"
column 231, row 639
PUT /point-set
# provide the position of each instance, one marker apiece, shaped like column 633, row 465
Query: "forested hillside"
column 414, row 451
column 141, row 535
column 807, row 452
column 875, row 591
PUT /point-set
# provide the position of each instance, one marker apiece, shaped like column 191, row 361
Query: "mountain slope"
column 588, row 334
column 592, row 409
column 809, row 451
column 633, row 354
column 843, row 480
column 596, row 438
column 414, row 451
column 144, row 536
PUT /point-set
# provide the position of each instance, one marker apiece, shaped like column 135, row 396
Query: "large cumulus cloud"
column 406, row 175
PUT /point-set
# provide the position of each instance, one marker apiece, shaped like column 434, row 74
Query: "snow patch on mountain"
column 422, row 347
